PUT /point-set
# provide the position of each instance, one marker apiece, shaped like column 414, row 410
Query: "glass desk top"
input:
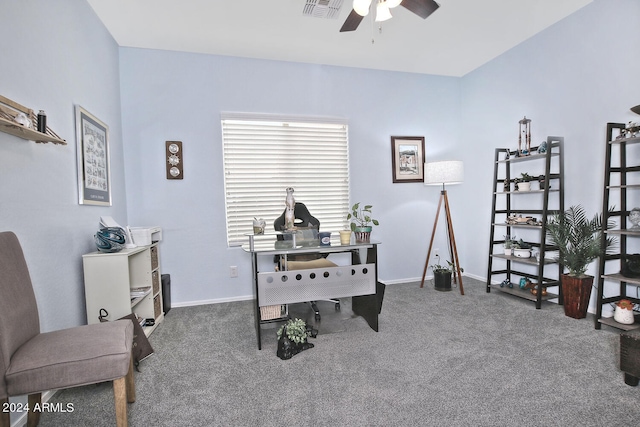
column 268, row 243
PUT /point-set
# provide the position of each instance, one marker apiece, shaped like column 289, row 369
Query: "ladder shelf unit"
column 621, row 182
column 504, row 271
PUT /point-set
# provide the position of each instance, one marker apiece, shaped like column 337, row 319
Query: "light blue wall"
column 54, row 55
column 179, row 96
column 570, row 80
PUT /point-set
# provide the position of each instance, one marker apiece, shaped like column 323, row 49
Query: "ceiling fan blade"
column 352, row 22
column 422, row 8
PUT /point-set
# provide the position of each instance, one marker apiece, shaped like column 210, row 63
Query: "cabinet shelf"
column 547, row 271
column 9, row 109
column 110, row 280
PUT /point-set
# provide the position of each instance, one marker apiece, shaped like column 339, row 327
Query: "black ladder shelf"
column 621, row 179
column 539, row 203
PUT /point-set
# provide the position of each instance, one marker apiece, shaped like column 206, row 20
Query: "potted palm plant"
column 361, row 222
column 579, row 241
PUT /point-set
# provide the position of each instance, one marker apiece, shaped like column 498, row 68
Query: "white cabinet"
column 111, row 279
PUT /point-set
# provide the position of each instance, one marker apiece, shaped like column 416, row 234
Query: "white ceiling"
column 456, row 39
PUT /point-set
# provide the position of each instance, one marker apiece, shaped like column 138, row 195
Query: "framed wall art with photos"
column 94, row 168
column 407, row 158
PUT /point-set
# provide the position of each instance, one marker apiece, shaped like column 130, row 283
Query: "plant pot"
column 623, row 315
column 524, row 186
column 576, row 292
column 363, row 234
column 508, row 251
column 442, row 280
column 522, row 253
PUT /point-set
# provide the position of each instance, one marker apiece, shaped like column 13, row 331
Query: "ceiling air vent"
column 327, row 9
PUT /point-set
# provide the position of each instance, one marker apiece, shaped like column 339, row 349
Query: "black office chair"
column 309, row 225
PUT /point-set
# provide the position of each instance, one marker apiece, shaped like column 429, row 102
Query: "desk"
column 359, row 280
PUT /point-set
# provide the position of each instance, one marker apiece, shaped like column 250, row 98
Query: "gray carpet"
column 439, row 359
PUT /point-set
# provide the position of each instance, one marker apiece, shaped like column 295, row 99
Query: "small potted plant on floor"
column 579, row 241
column 442, row 274
column 293, row 338
column 361, row 222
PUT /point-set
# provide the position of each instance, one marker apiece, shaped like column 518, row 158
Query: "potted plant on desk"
column 361, row 222
column 579, row 242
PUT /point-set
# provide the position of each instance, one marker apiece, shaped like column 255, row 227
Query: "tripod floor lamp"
column 441, row 173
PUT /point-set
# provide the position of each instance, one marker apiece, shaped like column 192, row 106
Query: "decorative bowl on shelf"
column 521, row 253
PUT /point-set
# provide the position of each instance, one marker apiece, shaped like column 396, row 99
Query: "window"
column 264, row 155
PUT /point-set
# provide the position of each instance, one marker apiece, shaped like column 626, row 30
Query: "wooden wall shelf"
column 8, row 111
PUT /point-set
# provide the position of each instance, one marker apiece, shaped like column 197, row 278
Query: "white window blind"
column 265, row 155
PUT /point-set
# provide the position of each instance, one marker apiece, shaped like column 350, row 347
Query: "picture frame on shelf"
column 407, row 158
column 93, row 157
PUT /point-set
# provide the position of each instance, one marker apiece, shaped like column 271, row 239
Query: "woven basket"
column 270, row 312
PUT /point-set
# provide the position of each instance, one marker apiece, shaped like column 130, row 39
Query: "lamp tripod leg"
column 452, row 241
column 433, row 234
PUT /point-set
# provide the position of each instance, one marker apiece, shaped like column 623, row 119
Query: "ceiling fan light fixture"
column 393, row 3
column 362, row 7
column 382, row 12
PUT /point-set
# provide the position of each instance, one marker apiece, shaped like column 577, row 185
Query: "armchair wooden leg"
column 5, row 417
column 124, row 391
column 131, row 385
column 120, row 397
column 33, row 417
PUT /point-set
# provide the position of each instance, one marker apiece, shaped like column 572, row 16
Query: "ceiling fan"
column 422, row 8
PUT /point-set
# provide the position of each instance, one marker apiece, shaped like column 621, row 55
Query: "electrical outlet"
column 436, row 253
column 233, row 271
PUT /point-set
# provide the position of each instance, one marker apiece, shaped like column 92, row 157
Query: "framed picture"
column 94, row 172
column 407, row 158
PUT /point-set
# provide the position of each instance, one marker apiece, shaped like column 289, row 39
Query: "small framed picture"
column 407, row 158
column 94, row 168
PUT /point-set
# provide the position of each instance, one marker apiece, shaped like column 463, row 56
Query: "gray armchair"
column 32, row 362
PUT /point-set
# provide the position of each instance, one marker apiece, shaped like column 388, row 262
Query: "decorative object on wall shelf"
column 524, row 129
column 18, row 120
column 174, row 159
column 407, row 158
column 94, row 168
